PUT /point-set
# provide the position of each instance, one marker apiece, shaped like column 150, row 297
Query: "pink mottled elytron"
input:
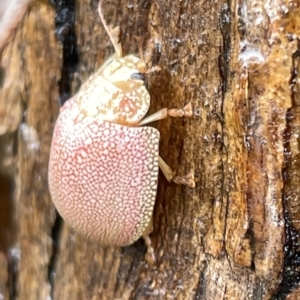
column 103, row 167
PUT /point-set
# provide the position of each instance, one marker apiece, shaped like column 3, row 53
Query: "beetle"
column 103, row 167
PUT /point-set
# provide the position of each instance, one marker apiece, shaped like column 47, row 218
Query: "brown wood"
column 235, row 236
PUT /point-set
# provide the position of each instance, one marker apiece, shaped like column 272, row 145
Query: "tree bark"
column 236, row 234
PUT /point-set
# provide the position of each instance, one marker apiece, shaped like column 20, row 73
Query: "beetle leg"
column 150, row 255
column 159, row 115
column 187, row 179
column 186, row 111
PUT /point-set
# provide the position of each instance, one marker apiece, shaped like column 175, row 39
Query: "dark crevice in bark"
column 201, row 286
column 127, row 251
column 291, row 270
column 7, row 224
column 291, row 273
column 65, row 32
column 13, row 271
column 55, row 234
column 141, row 287
column 224, row 69
column 225, row 52
column 7, row 213
column 2, row 76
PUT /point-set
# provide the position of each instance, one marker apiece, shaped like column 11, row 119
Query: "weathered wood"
column 235, row 236
column 32, row 63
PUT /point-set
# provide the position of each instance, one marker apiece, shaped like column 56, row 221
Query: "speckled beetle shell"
column 103, row 168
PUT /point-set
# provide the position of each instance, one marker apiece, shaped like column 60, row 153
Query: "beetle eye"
column 138, row 76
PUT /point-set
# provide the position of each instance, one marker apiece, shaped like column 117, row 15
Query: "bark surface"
column 236, row 234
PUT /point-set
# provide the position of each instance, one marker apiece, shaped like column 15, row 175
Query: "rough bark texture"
column 236, row 235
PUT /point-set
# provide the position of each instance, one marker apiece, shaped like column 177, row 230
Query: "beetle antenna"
column 113, row 34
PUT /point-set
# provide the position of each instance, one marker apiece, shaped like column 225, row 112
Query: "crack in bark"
column 55, row 235
column 65, row 32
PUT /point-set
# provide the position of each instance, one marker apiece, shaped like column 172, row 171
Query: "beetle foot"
column 186, row 111
column 153, row 69
column 150, row 255
column 188, row 179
